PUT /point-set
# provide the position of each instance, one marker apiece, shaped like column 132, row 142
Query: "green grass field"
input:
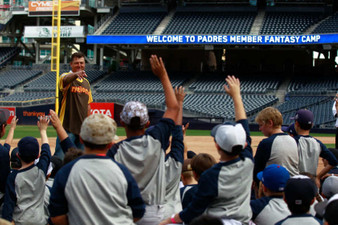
column 22, row 131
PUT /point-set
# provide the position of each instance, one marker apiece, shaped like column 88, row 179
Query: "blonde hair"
column 270, row 113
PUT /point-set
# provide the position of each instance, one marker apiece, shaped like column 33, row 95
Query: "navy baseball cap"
column 303, row 116
column 28, row 148
column 14, row 156
column 274, row 177
column 290, row 129
column 4, row 115
column 300, row 190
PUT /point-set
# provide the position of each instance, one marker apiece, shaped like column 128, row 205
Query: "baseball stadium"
column 284, row 52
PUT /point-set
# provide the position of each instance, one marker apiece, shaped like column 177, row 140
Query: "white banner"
column 46, row 32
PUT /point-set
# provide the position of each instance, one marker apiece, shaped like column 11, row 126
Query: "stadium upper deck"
column 229, row 37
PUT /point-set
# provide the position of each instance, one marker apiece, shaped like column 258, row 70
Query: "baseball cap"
column 290, row 129
column 321, row 207
column 15, row 161
column 300, row 190
column 14, row 157
column 274, row 177
column 190, row 154
column 303, row 116
column 4, row 115
column 134, row 109
column 28, row 148
column 98, row 129
column 330, row 186
column 229, row 135
column 330, row 215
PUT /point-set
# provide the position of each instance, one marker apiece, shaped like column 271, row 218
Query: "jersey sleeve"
column 177, row 146
column 161, row 131
column 10, row 198
column 61, row 81
column 4, row 166
column 90, row 97
column 44, row 159
column 67, row 144
column 135, row 200
column 327, row 154
column 58, row 204
column 206, row 192
column 247, row 152
column 258, row 205
column 262, row 156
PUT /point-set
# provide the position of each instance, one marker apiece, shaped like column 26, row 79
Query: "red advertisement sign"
column 12, row 113
column 103, row 108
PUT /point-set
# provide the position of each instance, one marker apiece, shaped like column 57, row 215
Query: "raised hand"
column 180, row 94
column 232, row 88
column 157, row 66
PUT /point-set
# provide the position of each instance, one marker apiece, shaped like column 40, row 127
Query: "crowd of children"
column 137, row 180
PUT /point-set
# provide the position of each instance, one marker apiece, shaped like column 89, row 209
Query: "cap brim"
column 214, row 130
column 320, row 207
column 260, row 175
column 285, row 128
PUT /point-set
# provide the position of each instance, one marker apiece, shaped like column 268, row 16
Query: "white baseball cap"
column 229, row 135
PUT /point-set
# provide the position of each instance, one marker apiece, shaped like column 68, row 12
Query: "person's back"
column 4, row 149
column 144, row 157
column 25, row 189
column 199, row 164
column 299, row 194
column 309, row 148
column 224, row 190
column 92, row 197
column 143, row 152
column 94, row 189
column 279, row 148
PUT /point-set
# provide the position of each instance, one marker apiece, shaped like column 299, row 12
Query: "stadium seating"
column 297, row 102
column 288, row 23
column 152, row 100
column 322, row 114
column 6, row 53
column 214, row 84
column 134, row 23
column 133, row 82
column 47, row 81
column 26, row 98
column 210, row 23
column 13, row 78
column 316, row 85
column 221, row 106
column 330, row 25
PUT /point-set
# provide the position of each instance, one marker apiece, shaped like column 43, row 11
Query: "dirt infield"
column 205, row 144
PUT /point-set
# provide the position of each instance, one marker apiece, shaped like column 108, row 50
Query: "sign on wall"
column 45, row 8
column 102, row 108
column 12, row 113
column 46, row 32
column 215, row 39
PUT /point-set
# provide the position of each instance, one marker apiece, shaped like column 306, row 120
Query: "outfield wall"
column 29, row 116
